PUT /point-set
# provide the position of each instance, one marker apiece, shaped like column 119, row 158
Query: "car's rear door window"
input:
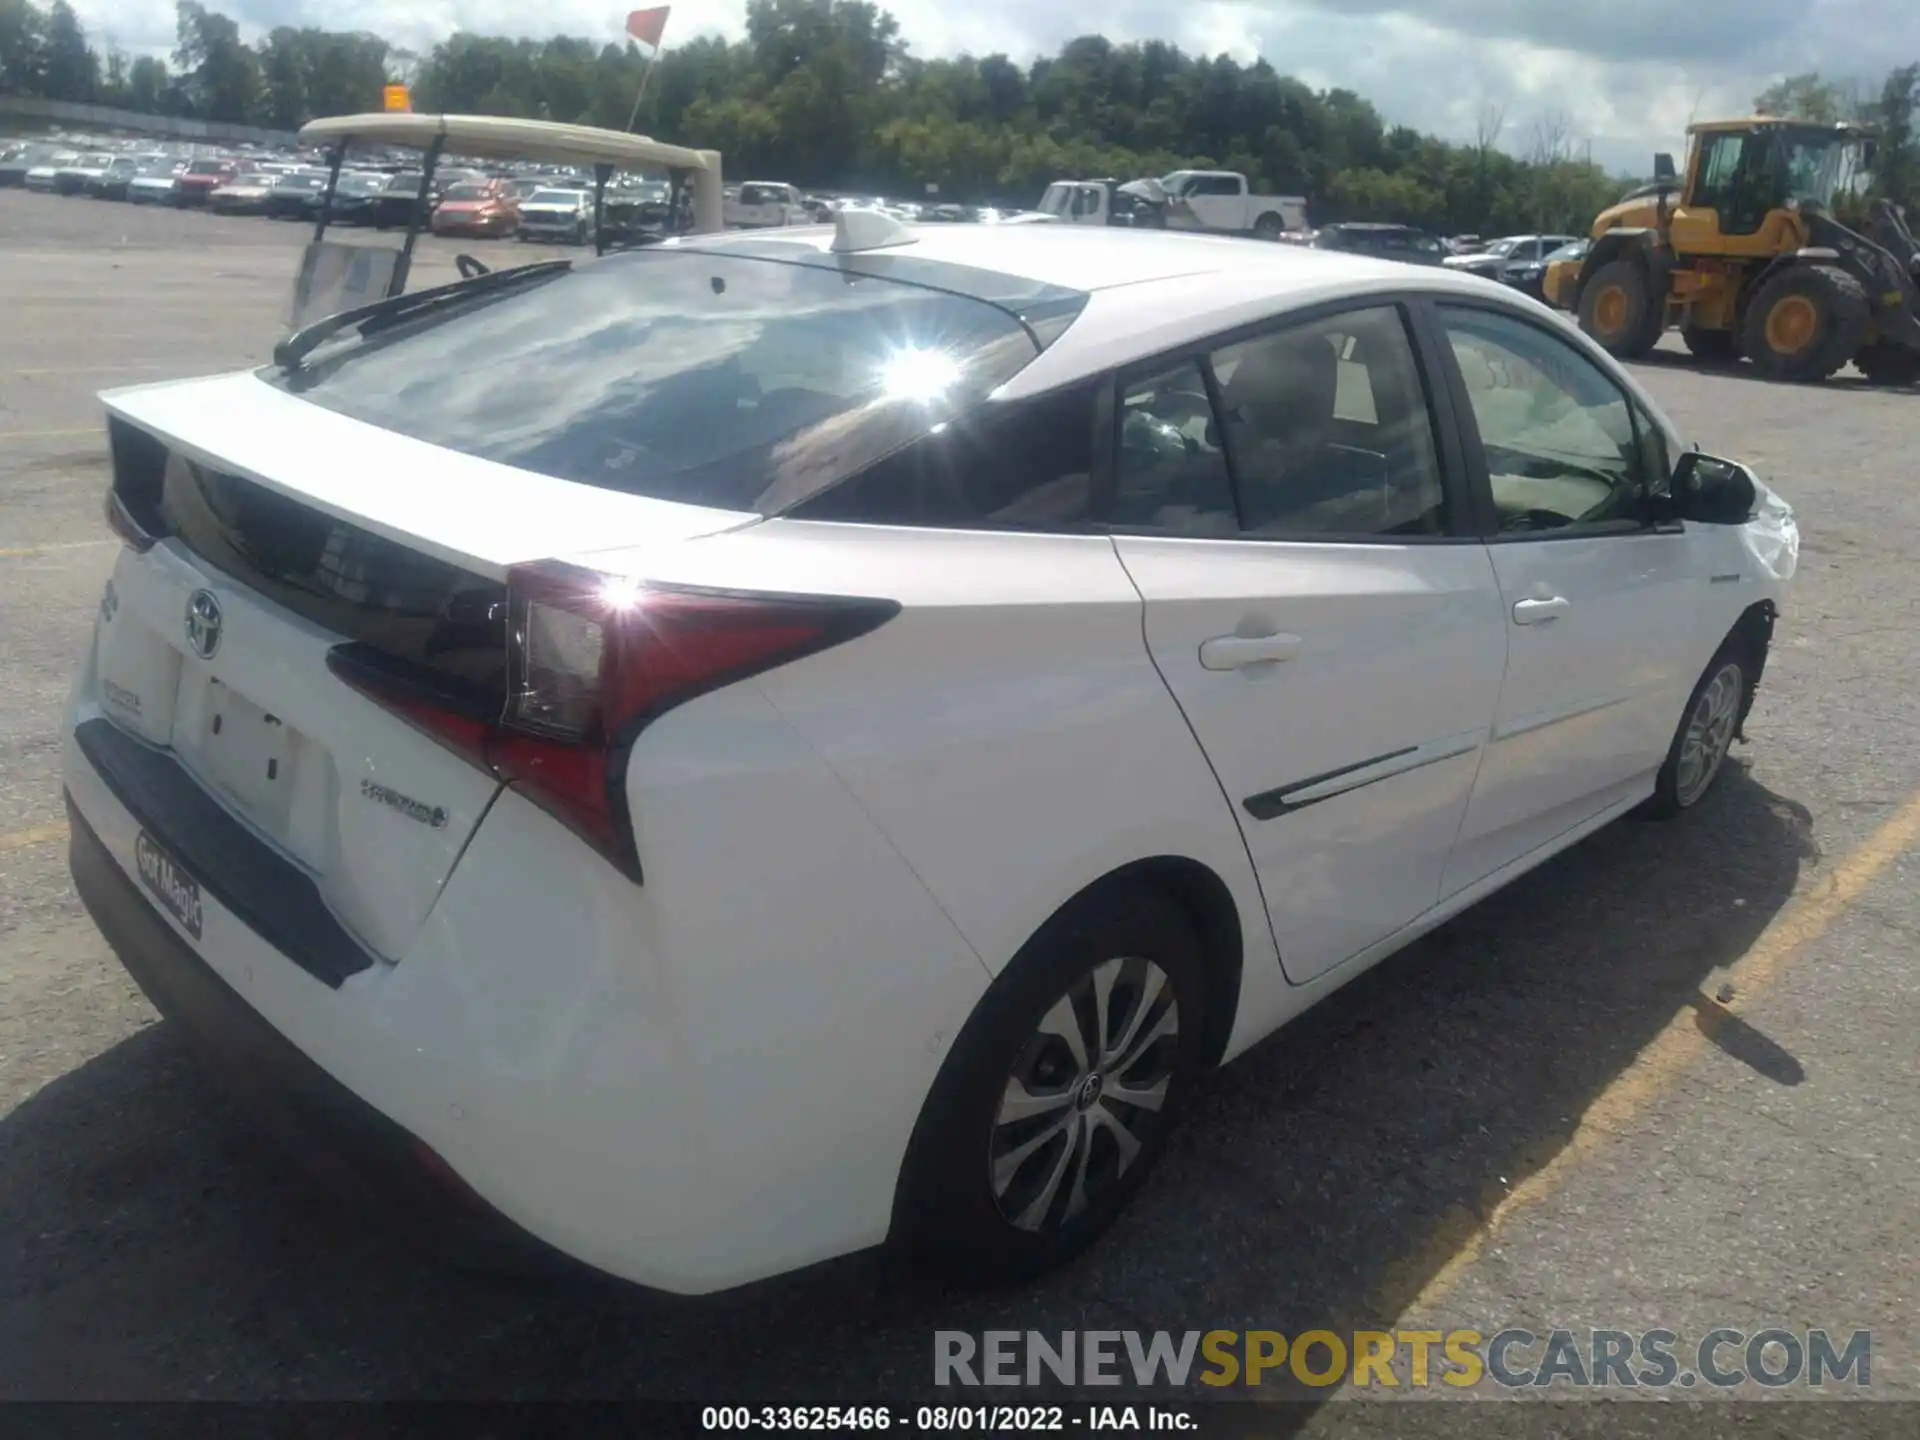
column 1170, row 472
column 1018, row 464
column 1328, row 431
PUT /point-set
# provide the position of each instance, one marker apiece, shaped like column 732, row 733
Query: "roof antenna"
column 855, row 230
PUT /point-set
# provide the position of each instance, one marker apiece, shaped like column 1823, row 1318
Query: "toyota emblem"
column 203, row 623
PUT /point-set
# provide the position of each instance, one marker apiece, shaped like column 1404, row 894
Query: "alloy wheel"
column 1709, row 733
column 1087, row 1093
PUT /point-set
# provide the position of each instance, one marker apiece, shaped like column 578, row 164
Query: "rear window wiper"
column 303, row 342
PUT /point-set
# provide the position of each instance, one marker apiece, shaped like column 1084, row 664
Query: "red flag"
column 647, row 26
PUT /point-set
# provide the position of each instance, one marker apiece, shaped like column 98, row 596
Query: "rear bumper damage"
column 365, row 1158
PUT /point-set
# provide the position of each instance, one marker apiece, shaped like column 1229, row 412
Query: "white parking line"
column 14, row 550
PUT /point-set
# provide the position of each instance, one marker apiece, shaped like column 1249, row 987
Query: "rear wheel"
column 1268, row 227
column 1884, row 363
column 1805, row 323
column 1619, row 309
column 1717, row 347
column 1058, row 1095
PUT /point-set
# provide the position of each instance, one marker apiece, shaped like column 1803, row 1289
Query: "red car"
column 479, row 207
column 202, row 178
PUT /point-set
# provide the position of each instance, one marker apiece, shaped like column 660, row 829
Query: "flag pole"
column 645, row 75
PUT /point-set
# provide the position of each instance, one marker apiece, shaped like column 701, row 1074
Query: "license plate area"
column 168, row 881
column 239, row 749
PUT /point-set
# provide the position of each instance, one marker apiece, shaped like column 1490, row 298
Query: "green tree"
column 69, row 68
column 1897, row 164
column 1809, row 97
column 23, row 39
column 220, row 76
column 148, row 85
column 284, row 64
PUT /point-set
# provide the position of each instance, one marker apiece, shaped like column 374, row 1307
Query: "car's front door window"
column 1558, row 433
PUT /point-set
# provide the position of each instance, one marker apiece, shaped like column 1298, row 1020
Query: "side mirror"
column 1713, row 491
column 1663, row 167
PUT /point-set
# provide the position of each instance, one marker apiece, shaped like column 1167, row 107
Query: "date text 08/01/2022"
column 940, row 1419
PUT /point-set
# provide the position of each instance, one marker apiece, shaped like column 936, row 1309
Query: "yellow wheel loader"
column 1745, row 256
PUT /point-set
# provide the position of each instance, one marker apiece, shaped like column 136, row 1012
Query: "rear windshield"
column 735, row 382
column 467, row 192
column 554, row 197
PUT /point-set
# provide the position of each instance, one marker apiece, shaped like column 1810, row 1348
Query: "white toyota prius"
column 742, row 750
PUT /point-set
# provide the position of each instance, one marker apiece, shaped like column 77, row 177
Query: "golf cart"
column 338, row 277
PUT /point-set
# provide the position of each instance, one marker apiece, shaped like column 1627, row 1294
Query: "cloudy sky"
column 1624, row 74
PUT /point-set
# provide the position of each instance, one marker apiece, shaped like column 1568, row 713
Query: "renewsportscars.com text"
column 1381, row 1359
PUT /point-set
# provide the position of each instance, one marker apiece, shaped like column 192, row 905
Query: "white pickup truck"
column 1221, row 202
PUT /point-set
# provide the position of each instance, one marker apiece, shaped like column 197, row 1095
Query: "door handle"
column 1236, row 652
column 1538, row 612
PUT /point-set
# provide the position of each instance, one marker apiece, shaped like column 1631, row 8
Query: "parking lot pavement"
column 1668, row 1080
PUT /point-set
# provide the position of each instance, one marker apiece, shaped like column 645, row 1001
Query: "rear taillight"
column 592, row 660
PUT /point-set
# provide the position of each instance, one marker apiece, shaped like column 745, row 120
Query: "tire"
column 1268, row 227
column 1804, row 323
column 963, row 1217
column 1619, row 309
column 1687, row 778
column 1884, row 363
column 1716, row 347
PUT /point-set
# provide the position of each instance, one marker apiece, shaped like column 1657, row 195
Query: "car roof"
column 1149, row 290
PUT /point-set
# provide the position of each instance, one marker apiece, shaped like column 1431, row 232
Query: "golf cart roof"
column 503, row 138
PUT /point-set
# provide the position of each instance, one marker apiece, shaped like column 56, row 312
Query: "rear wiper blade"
column 303, row 342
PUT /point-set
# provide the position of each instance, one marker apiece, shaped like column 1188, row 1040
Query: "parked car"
column 245, row 194
column 565, row 215
column 112, row 182
column 201, row 178
column 1508, row 252
column 296, row 196
column 638, row 212
column 157, row 182
column 44, row 174
column 520, row 187
column 675, row 809
column 763, row 203
column 1561, row 274
column 78, row 175
column 1381, row 241
column 1526, row 270
column 476, row 207
column 392, row 207
column 15, row 161
column 353, row 197
column 1106, row 201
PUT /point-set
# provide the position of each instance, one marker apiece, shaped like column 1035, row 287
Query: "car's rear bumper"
column 364, row 1157
column 572, row 1050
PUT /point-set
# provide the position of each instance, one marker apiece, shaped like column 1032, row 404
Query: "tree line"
column 825, row 93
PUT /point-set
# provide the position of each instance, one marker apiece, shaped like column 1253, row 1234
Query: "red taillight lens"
column 592, row 660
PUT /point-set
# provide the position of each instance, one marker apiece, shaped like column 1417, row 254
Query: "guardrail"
column 172, row 127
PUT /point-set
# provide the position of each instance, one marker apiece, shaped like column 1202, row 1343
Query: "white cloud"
column 1626, row 74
